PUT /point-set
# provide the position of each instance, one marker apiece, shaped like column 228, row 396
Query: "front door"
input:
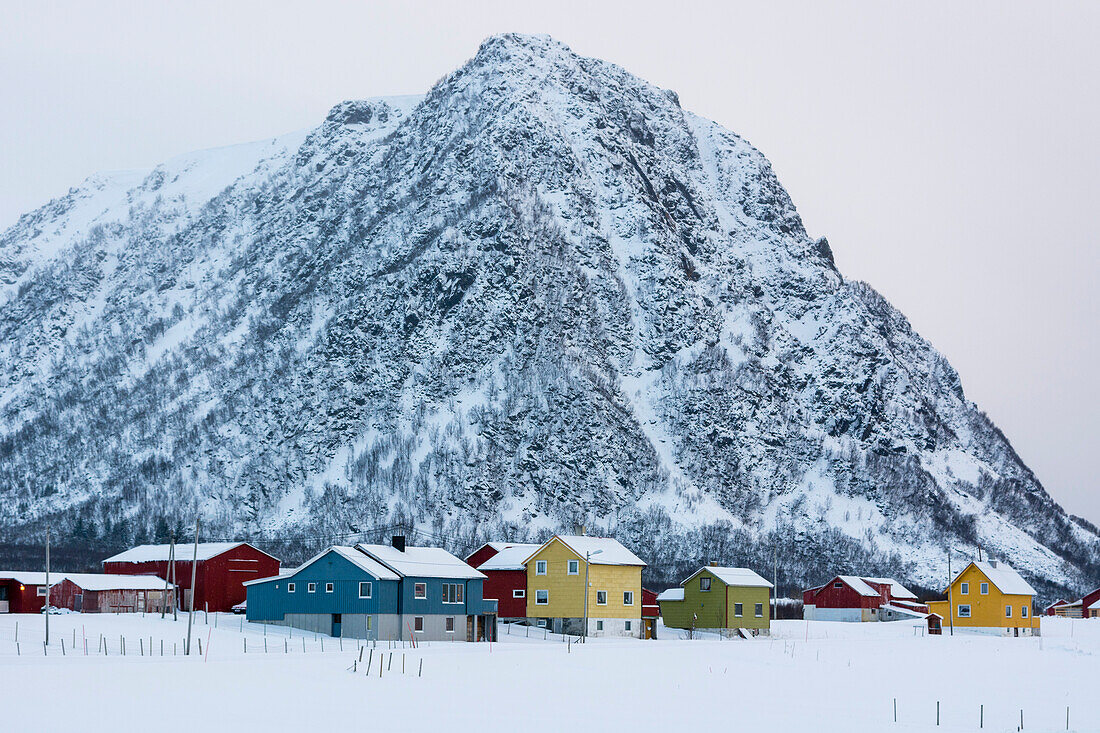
column 469, row 628
column 78, row 602
column 337, row 619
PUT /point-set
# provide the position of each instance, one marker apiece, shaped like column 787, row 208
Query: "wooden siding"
column 986, row 611
column 272, row 600
column 716, row 608
column 567, row 591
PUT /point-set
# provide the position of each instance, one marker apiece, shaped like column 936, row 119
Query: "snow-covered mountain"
column 543, row 295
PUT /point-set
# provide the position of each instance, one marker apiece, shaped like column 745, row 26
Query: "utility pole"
column 775, row 585
column 167, row 574
column 194, row 562
column 47, row 584
column 175, row 578
column 950, row 607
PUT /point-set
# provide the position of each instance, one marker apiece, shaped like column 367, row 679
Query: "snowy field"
column 831, row 676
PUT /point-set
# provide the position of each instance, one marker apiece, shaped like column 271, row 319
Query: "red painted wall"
column 63, row 595
column 650, row 608
column 500, row 584
column 26, row 600
column 480, row 556
column 827, row 596
column 218, row 581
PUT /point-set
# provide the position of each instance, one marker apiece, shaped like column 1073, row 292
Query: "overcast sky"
column 951, row 155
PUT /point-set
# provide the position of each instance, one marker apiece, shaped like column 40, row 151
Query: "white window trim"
column 40, row 592
column 701, row 588
column 964, row 588
column 421, row 620
column 1023, row 612
column 984, row 589
column 545, row 602
column 291, row 587
column 598, row 602
column 451, row 621
column 540, row 567
column 959, row 610
column 330, row 587
column 416, row 595
column 628, row 593
column 739, row 613
column 370, row 588
column 759, row 613
column 1008, row 610
column 569, row 567
column 519, row 593
column 541, row 623
column 311, row 587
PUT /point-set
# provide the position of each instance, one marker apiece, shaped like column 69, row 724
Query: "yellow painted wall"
column 985, row 610
column 567, row 591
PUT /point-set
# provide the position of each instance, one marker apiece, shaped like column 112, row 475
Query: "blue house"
column 378, row 592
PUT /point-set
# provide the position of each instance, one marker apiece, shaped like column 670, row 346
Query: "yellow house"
column 556, row 593
column 989, row 597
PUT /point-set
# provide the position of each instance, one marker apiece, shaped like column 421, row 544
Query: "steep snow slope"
column 541, row 296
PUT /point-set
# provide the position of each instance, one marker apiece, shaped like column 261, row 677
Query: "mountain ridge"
column 543, row 295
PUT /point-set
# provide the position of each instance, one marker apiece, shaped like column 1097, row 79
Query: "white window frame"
column 449, row 622
column 370, row 588
column 573, row 567
column 964, row 588
column 598, row 601
column 40, row 592
column 541, row 623
column 540, row 567
column 418, row 621
column 704, row 584
column 1008, row 610
column 738, row 610
column 758, row 609
column 959, row 610
column 291, row 587
column 628, row 598
column 417, row 594
column 1023, row 612
column 984, row 589
column 455, row 592
column 330, row 587
column 311, row 587
column 545, row 602
column 519, row 593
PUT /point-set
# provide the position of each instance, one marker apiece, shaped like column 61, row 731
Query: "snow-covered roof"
column 672, row 594
column 1007, row 580
column 425, row 562
column 184, row 551
column 509, row 557
column 1095, row 606
column 30, row 577
column 858, row 585
column 904, row 611
column 611, row 551
column 104, row 581
column 361, row 560
column 897, row 590
column 733, row 576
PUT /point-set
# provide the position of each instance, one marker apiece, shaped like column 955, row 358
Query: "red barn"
column 95, row 593
column 1050, row 610
column 23, row 592
column 220, row 572
column 505, row 576
column 854, row 598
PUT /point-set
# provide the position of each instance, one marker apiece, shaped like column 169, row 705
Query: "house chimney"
column 398, row 542
column 712, row 564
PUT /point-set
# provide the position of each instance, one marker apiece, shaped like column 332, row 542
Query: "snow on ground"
column 831, row 676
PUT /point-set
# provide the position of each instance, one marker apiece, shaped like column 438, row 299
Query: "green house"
column 718, row 598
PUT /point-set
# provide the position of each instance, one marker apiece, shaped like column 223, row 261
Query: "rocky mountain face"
column 541, row 296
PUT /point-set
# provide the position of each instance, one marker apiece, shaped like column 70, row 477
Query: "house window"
column 518, row 593
column 369, row 624
column 289, row 587
column 601, row 598
column 760, row 610
column 311, row 588
column 541, row 623
column 838, row 584
column 626, row 626
column 450, row 624
column 542, row 597
column 574, row 567
column 964, row 611
column 628, row 598
column 704, row 584
column 418, row 623
column 1023, row 611
column 1008, row 611
column 737, row 609
column 964, row 588
column 599, row 626
column 420, row 590
column 452, row 592
column 365, row 589
column 41, row 591
column 328, row 587
column 984, row 589
column 540, row 567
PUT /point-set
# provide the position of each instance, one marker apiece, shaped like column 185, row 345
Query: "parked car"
column 241, row 607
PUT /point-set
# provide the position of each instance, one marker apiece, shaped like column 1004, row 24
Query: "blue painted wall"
column 433, row 605
column 271, row 600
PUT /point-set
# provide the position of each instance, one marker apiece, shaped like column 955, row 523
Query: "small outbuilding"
column 99, row 593
column 23, row 591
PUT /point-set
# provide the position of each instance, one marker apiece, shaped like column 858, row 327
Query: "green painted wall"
column 712, row 609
